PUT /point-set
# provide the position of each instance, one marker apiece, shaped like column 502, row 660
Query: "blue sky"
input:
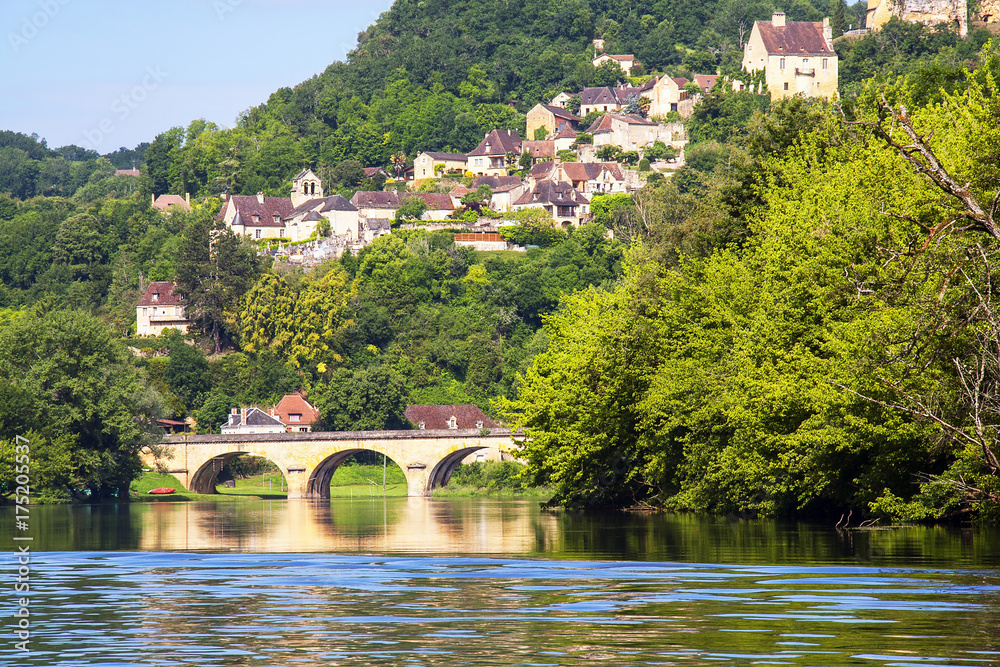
column 108, row 73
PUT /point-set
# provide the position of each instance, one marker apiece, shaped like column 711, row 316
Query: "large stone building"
column 928, row 12
column 797, row 57
column 160, row 308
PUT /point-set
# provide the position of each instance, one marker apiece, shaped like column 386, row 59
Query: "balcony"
column 801, row 71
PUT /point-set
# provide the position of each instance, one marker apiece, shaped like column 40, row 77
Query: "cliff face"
column 989, row 11
column 928, row 12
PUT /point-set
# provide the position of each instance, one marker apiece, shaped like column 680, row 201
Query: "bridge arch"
column 204, row 478
column 318, row 485
column 441, row 472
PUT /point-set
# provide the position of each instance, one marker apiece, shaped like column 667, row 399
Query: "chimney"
column 187, row 197
column 260, row 197
column 828, row 32
column 153, row 197
column 778, row 19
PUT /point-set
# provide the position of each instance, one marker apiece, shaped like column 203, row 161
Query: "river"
column 453, row 581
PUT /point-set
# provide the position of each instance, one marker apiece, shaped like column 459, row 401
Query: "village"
column 636, row 135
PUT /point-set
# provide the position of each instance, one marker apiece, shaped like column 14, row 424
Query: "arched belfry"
column 306, row 186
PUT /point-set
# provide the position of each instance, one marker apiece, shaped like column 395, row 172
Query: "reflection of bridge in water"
column 308, row 460
column 401, row 525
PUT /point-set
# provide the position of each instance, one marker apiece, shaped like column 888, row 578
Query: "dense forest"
column 797, row 322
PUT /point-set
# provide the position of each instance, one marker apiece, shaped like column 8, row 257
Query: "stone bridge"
column 308, row 460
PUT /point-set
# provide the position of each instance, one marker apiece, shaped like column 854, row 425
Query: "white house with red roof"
column 626, row 62
column 160, row 308
column 489, row 158
column 296, row 413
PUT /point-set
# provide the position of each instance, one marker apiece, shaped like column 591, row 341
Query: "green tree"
column 68, row 379
column 215, row 268
column 368, row 399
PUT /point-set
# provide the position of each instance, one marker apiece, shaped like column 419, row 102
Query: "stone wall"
column 928, row 12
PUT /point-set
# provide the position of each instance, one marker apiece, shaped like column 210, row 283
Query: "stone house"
column 447, row 417
column 296, row 413
column 489, row 158
column 160, row 308
column 565, row 139
column 372, row 205
column 561, row 100
column 425, row 164
column 628, row 132
column 668, row 94
column 589, row 177
column 567, row 206
column 797, row 57
column 550, row 118
column 251, row 420
column 258, row 217
column 626, row 62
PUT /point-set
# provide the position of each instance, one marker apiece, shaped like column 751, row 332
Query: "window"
column 479, row 424
column 826, row 63
column 420, row 426
column 277, row 218
column 786, row 85
column 673, row 106
column 805, row 61
column 453, row 423
column 257, row 232
column 256, row 218
column 281, row 233
column 156, row 297
column 294, row 418
column 781, row 63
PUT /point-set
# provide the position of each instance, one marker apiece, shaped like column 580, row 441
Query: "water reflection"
column 494, row 527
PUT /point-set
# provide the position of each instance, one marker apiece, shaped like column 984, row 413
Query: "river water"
column 421, row 581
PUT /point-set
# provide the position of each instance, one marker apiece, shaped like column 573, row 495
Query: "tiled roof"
column 558, row 193
column 604, row 123
column 591, row 96
column 796, row 37
column 369, row 199
column 542, row 170
column 496, row 182
column 307, row 205
column 295, row 404
column 705, row 81
column 255, row 417
column 337, row 203
column 566, row 133
column 248, row 206
column 126, row 172
column 559, row 112
column 450, row 157
column 680, row 81
column 371, row 171
column 436, row 201
column 165, row 295
column 163, row 201
column 586, row 171
column 438, row 416
column 499, row 142
column 540, row 149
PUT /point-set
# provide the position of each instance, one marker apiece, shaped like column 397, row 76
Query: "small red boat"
column 161, row 491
